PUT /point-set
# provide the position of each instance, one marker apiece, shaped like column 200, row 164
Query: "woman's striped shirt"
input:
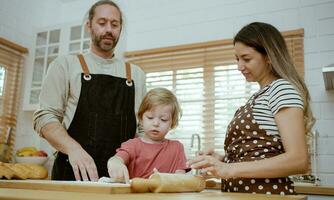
column 270, row 99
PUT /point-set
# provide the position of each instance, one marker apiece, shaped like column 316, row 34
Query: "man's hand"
column 83, row 164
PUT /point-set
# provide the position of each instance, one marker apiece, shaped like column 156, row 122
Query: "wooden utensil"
column 165, row 182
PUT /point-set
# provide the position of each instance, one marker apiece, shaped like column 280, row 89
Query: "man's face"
column 105, row 27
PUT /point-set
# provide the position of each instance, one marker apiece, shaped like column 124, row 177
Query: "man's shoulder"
column 65, row 59
column 136, row 69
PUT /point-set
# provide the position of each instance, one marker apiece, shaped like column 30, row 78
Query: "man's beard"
column 97, row 41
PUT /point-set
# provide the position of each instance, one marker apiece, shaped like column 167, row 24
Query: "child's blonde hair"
column 160, row 96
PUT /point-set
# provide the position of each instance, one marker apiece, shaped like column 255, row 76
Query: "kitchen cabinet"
column 49, row 43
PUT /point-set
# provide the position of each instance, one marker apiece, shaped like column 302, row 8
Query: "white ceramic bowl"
column 31, row 159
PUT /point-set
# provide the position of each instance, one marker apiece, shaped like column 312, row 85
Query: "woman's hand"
column 82, row 163
column 210, row 166
column 210, row 152
column 117, row 170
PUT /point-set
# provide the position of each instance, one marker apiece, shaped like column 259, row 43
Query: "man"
column 88, row 102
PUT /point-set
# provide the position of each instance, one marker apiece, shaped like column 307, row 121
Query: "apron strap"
column 128, row 74
column 84, row 67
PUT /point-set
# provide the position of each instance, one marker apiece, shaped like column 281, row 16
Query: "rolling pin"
column 166, row 182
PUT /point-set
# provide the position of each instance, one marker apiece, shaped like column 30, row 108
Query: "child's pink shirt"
column 141, row 157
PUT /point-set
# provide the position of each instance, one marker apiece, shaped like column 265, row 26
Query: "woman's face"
column 252, row 64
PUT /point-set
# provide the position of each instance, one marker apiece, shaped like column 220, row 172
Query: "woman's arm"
column 293, row 161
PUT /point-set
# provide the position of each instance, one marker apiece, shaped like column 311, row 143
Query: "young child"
column 158, row 113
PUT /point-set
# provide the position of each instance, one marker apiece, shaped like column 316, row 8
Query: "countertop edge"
column 301, row 188
column 311, row 189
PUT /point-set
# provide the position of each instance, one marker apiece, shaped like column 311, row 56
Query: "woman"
column 265, row 141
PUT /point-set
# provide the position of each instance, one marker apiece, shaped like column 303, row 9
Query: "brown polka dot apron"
column 245, row 141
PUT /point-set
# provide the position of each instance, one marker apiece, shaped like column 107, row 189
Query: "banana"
column 33, row 149
column 25, row 153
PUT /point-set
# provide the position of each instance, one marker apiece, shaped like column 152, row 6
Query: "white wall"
column 18, row 21
column 160, row 23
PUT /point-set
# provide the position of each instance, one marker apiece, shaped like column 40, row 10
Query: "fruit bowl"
column 31, row 159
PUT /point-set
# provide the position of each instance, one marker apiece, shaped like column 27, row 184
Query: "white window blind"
column 206, row 81
column 203, row 114
column 11, row 63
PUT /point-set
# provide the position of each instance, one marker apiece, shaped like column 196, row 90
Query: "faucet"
column 198, row 141
column 196, row 172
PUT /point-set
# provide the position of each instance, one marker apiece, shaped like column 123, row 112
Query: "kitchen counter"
column 74, row 190
column 25, row 194
column 301, row 188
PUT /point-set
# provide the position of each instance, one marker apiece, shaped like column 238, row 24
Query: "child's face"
column 157, row 122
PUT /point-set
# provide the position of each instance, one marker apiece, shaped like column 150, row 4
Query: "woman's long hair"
column 268, row 41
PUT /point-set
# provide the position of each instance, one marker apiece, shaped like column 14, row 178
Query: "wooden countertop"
column 301, row 188
column 73, row 190
column 24, row 194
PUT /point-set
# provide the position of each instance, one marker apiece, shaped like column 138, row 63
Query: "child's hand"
column 117, row 170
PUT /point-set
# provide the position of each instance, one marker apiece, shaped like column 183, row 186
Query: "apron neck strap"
column 86, row 72
column 128, row 72
column 84, row 65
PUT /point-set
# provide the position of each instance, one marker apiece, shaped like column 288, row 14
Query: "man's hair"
column 91, row 11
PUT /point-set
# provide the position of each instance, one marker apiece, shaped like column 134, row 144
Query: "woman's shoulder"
column 283, row 93
column 280, row 87
column 280, row 84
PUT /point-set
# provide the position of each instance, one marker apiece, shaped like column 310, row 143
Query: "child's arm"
column 117, row 169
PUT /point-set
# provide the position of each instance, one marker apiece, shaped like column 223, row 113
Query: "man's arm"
column 47, row 120
column 81, row 162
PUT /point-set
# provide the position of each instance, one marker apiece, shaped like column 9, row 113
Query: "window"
column 208, row 85
column 203, row 114
column 46, row 50
column 2, row 81
column 11, row 57
column 79, row 39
